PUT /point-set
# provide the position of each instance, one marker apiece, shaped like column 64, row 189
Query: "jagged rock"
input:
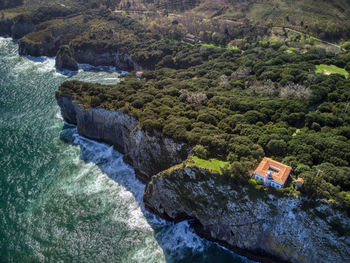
column 96, row 57
column 147, row 153
column 36, row 49
column 65, row 60
column 20, row 29
column 239, row 219
column 5, row 27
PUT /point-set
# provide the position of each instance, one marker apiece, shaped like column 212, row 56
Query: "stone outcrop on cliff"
column 270, row 229
column 96, row 57
column 16, row 28
column 5, row 27
column 37, row 49
column 65, row 60
column 21, row 28
column 237, row 218
column 147, row 153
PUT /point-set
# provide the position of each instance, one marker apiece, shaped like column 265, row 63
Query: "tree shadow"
column 178, row 241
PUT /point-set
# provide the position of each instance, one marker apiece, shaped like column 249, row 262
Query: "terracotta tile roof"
column 279, row 175
column 301, row 180
column 190, row 36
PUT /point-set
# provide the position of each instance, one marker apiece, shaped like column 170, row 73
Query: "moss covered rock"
column 65, row 60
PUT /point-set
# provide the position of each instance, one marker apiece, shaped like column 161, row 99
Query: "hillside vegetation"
column 219, row 21
column 238, row 103
column 241, row 105
column 329, row 20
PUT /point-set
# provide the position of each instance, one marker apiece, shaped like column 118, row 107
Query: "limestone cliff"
column 96, row 57
column 5, row 27
column 148, row 154
column 50, row 46
column 282, row 229
column 37, row 49
column 20, row 28
column 16, row 28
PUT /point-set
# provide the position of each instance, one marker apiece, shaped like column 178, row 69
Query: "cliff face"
column 275, row 227
column 107, row 58
column 20, row 29
column 50, row 47
column 87, row 55
column 148, row 154
column 37, row 49
column 17, row 30
column 5, row 27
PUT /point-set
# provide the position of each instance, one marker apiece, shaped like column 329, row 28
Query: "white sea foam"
column 179, row 236
column 44, row 64
column 173, row 237
column 87, row 67
column 59, row 115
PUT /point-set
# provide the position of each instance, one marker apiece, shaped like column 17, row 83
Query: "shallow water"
column 65, row 198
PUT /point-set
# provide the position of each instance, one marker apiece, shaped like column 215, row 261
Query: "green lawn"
column 212, row 164
column 331, row 69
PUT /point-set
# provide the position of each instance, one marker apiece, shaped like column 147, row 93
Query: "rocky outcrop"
column 5, row 27
column 148, row 154
column 96, row 57
column 65, row 60
column 16, row 28
column 283, row 229
column 20, row 29
column 36, row 49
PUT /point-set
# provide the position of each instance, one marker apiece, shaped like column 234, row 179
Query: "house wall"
column 267, row 182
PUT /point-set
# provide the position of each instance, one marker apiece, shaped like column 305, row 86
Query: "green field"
column 331, row 69
column 211, row 164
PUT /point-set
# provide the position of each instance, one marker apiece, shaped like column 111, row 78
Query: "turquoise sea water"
column 64, row 198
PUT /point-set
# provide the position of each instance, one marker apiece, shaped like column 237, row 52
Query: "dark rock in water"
column 65, row 60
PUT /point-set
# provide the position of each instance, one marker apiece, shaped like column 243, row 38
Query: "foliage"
column 240, row 123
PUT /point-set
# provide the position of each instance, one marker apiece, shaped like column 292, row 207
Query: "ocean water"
column 64, row 198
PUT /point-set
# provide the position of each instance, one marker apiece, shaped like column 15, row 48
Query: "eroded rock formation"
column 147, row 153
column 283, row 229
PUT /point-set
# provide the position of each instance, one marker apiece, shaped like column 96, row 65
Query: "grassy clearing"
column 331, row 69
column 211, row 164
column 210, row 45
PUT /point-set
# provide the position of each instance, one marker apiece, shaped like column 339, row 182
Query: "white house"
column 272, row 173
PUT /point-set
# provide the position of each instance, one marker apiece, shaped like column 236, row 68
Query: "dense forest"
column 10, row 3
column 259, row 97
column 240, row 105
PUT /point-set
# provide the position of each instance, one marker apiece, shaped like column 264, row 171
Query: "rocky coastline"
column 265, row 229
column 269, row 229
column 148, row 154
column 86, row 54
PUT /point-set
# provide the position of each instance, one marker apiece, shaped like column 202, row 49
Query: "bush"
column 207, row 118
column 253, row 182
column 200, row 151
column 277, row 147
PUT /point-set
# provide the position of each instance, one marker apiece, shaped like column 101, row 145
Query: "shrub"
column 200, row 151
